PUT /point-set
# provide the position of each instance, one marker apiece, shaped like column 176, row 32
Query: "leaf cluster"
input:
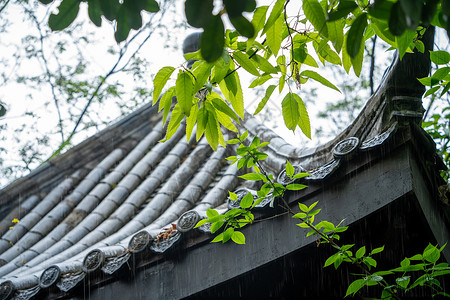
column 126, row 14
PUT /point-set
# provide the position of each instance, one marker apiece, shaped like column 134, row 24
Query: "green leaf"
column 2, row 110
column 212, row 40
column 274, row 15
column 218, row 238
column 274, row 35
column 201, row 222
column 67, row 13
column 260, row 80
column 300, row 175
column 404, row 41
column 381, row 9
column 344, row 8
column 243, row 26
column 336, row 33
column 238, row 237
column 355, row 286
column 227, row 234
column 247, row 201
column 289, row 169
column 198, row 12
column 109, row 8
column 216, row 226
column 420, row 46
column 151, row 6
column 201, row 74
column 245, row 62
column 303, row 207
column 175, row 120
column 264, row 100
column 413, row 12
column 315, row 14
column 330, row 260
column 166, row 102
column 303, row 121
column 184, row 91
column 160, row 81
column 397, row 20
column 361, row 251
column 403, row 281
column 190, row 121
column 431, row 254
column 252, row 176
column 317, row 77
column 95, row 12
column 355, row 35
column 369, row 261
column 264, row 65
column 122, row 27
column 223, row 107
column 291, row 114
column 212, row 130
column 440, row 57
column 259, row 18
column 299, row 216
column 295, row 187
column 357, row 62
column 210, row 213
column 231, row 88
column 377, row 250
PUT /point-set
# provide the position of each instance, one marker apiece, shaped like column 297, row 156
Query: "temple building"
column 114, row 217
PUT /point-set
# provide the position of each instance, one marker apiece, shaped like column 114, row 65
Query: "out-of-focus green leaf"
column 67, row 13
column 343, row 9
column 2, row 110
column 243, row 26
column 355, row 35
column 199, row 12
column 212, row 40
column 122, row 26
column 397, row 20
column 413, row 12
column 95, row 12
column 109, row 8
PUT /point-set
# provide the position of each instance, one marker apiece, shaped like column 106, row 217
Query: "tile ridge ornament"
column 165, row 239
column 379, row 139
column 187, row 221
column 93, row 260
column 50, row 276
column 139, row 242
column 7, row 290
column 325, row 171
column 346, row 148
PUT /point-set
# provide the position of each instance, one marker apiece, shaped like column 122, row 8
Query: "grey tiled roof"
column 101, row 211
